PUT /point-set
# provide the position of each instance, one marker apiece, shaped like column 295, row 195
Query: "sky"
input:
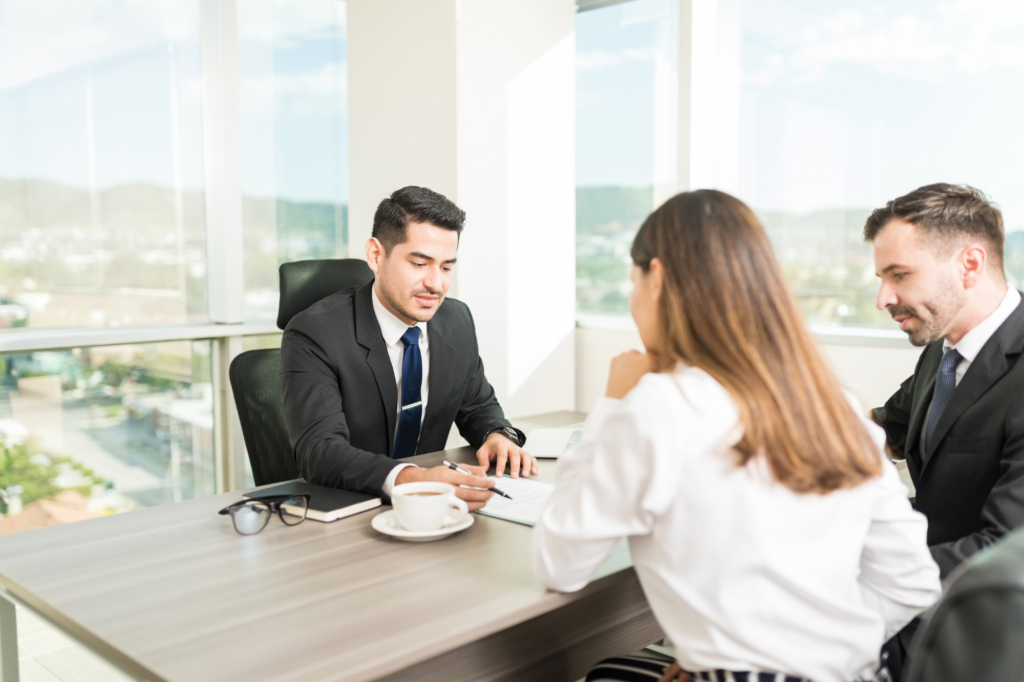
column 108, row 92
column 843, row 103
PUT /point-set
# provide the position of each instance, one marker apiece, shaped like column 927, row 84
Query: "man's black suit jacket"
column 970, row 480
column 341, row 398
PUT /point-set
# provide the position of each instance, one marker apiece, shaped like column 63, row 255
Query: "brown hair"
column 946, row 214
column 726, row 309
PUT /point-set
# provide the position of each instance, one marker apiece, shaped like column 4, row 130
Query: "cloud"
column 966, row 36
column 35, row 41
column 595, row 60
column 318, row 92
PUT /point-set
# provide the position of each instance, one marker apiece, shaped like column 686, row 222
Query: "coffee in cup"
column 427, row 505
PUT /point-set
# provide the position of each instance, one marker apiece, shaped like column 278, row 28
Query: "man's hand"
column 474, row 498
column 674, row 673
column 626, row 372
column 499, row 449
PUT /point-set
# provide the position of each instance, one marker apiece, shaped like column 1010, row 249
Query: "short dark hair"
column 414, row 204
column 946, row 214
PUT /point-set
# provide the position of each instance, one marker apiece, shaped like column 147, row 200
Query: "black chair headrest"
column 304, row 282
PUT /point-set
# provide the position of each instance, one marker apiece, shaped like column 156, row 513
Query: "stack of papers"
column 528, row 500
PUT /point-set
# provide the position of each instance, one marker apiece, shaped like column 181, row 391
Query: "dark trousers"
column 896, row 652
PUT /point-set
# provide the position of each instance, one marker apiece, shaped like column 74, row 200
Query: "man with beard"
column 380, row 372
column 959, row 420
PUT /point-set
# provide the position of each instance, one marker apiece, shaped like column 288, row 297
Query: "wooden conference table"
column 172, row 593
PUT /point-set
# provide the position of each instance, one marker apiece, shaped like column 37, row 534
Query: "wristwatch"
column 509, row 433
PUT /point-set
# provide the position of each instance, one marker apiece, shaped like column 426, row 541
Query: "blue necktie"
column 945, row 382
column 408, row 433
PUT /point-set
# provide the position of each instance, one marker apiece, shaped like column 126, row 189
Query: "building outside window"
column 104, row 174
column 846, row 105
column 625, row 92
column 842, row 106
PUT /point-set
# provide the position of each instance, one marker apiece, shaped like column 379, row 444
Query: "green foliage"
column 114, row 373
column 18, row 468
column 20, row 465
column 599, row 207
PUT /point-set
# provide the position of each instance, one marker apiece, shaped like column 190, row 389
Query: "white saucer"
column 387, row 523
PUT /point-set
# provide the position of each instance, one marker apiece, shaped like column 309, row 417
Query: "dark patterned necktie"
column 409, row 417
column 945, row 383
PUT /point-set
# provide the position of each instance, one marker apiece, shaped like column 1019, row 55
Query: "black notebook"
column 325, row 504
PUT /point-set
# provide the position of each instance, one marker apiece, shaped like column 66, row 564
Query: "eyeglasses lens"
column 293, row 510
column 251, row 517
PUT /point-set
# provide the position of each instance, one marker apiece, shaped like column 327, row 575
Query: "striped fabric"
column 646, row 669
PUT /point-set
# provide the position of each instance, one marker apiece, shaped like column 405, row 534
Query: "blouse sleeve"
column 898, row 577
column 603, row 492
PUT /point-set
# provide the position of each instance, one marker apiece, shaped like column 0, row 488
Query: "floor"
column 47, row 655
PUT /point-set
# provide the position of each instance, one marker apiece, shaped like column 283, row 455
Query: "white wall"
column 476, row 99
column 873, row 373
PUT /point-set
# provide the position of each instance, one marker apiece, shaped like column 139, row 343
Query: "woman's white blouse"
column 741, row 572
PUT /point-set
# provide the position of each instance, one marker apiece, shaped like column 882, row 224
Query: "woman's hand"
column 674, row 673
column 626, row 372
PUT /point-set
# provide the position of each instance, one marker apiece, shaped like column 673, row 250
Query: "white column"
column 401, row 56
column 709, row 63
column 225, row 276
column 476, row 99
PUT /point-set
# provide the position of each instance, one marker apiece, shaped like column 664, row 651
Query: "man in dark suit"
column 377, row 373
column 959, row 420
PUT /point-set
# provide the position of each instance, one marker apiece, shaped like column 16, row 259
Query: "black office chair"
column 975, row 631
column 254, row 374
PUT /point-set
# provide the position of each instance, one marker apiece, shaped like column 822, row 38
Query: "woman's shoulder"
column 686, row 393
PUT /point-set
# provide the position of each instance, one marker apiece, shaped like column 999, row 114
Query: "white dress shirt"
column 741, row 572
column 392, row 329
column 973, row 341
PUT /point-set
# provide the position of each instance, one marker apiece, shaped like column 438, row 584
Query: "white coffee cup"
column 427, row 505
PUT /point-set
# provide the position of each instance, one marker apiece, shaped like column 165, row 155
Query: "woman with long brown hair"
column 770, row 533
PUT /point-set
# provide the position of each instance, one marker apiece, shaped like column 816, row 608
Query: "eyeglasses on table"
column 250, row 516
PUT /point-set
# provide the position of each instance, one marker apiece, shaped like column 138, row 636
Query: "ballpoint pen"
column 452, row 465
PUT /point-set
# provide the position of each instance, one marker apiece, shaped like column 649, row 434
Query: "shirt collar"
column 392, row 328
column 973, row 341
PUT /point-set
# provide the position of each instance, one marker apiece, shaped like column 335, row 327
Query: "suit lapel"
column 922, row 399
column 442, row 360
column 368, row 335
column 986, row 370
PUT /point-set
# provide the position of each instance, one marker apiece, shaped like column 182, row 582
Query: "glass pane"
column 294, row 139
column 101, row 177
column 625, row 139
column 93, row 431
column 259, row 342
column 846, row 105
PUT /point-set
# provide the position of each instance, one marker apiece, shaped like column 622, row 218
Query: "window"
column 625, row 104
column 92, row 431
column 294, row 139
column 846, row 105
column 101, row 176
column 104, row 188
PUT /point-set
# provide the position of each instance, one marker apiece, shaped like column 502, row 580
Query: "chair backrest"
column 254, row 375
column 304, row 282
column 257, row 389
column 976, row 630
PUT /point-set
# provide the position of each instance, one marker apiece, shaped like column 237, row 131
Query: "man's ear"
column 374, row 254
column 972, row 263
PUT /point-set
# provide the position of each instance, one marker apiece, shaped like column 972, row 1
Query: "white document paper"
column 528, row 500
column 551, row 443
